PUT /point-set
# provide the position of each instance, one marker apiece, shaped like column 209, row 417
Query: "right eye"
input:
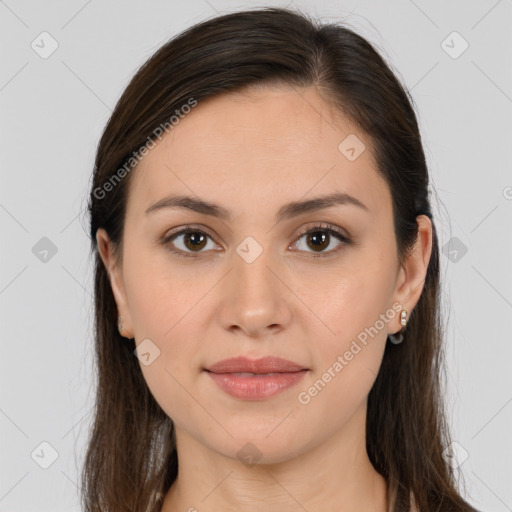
column 193, row 240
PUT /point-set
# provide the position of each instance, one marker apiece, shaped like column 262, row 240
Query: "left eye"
column 319, row 238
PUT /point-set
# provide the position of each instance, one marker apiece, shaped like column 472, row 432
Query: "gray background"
column 53, row 111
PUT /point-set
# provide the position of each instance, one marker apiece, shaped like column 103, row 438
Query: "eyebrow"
column 287, row 211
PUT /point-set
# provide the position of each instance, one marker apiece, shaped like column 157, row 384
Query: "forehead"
column 258, row 144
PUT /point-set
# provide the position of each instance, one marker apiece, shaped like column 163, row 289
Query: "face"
column 318, row 287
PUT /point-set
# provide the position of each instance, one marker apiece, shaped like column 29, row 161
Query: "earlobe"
column 114, row 271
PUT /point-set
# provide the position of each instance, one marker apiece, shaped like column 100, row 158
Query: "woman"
column 268, row 332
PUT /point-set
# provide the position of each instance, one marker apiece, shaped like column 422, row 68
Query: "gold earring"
column 403, row 317
column 397, row 338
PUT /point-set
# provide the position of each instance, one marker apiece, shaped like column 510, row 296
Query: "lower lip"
column 256, row 387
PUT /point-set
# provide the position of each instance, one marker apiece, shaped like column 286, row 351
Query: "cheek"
column 348, row 355
column 354, row 299
column 160, row 295
column 166, row 316
column 166, row 306
column 355, row 313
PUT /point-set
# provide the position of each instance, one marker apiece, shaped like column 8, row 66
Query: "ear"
column 114, row 269
column 413, row 271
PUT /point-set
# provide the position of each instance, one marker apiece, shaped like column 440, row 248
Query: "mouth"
column 255, row 379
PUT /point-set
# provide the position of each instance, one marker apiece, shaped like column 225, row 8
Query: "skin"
column 252, row 152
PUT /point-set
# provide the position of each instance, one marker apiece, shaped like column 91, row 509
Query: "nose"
column 255, row 300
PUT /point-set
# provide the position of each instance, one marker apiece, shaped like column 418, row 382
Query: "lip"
column 273, row 375
column 267, row 364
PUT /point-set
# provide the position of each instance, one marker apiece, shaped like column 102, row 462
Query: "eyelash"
column 314, row 229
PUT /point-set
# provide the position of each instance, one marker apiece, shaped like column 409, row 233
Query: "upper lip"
column 267, row 364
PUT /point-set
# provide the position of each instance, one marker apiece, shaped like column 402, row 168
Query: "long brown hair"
column 131, row 452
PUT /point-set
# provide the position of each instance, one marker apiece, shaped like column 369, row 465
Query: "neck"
column 333, row 475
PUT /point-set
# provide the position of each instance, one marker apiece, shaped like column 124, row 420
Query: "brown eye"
column 194, row 240
column 188, row 241
column 319, row 238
